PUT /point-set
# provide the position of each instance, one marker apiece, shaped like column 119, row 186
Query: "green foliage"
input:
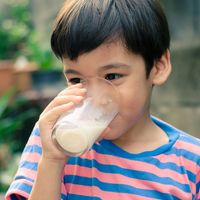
column 41, row 54
column 4, row 101
column 13, row 116
column 18, row 36
column 17, row 117
column 15, row 27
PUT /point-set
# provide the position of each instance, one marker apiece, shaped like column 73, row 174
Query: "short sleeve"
column 26, row 174
column 198, row 183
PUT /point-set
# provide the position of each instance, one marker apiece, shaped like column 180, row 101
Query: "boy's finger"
column 79, row 85
column 55, row 113
column 74, row 91
column 75, row 95
column 60, row 100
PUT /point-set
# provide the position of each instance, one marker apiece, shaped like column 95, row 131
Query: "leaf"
column 5, row 99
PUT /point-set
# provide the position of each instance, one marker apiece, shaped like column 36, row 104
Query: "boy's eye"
column 113, row 76
column 75, row 80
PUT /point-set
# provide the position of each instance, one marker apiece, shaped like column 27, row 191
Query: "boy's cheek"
column 117, row 128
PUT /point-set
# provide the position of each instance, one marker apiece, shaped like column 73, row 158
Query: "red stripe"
column 16, row 192
column 187, row 146
column 34, row 140
column 96, row 192
column 27, row 173
column 30, row 157
column 120, row 179
column 141, row 166
column 19, row 198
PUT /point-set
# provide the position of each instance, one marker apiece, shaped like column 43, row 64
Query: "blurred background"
column 30, row 75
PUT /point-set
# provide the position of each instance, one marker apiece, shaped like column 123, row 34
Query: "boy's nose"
column 95, row 82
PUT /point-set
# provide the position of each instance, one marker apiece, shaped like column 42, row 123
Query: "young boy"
column 140, row 157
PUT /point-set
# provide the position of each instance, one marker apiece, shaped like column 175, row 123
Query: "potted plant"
column 49, row 75
column 15, row 28
column 17, row 117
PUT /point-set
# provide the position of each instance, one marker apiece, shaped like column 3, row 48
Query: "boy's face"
column 127, row 72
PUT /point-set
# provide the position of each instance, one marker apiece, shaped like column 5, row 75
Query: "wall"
column 178, row 101
column 43, row 15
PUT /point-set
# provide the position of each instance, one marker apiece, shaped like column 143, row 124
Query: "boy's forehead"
column 111, row 56
column 107, row 53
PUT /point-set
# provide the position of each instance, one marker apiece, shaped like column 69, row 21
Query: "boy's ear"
column 161, row 70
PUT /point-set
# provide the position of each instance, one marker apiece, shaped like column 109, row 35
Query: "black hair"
column 83, row 25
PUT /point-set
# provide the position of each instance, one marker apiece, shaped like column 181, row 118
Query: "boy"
column 140, row 157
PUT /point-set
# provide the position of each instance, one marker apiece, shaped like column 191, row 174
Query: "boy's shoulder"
column 188, row 142
column 186, row 137
column 183, row 142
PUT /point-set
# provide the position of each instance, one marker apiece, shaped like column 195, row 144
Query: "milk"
column 77, row 130
column 77, row 140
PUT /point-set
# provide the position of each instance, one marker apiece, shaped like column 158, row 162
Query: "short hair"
column 83, row 25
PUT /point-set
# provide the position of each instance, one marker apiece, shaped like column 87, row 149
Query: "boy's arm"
column 47, row 185
column 30, row 172
column 39, row 176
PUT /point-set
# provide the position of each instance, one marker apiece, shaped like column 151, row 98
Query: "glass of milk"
column 76, row 131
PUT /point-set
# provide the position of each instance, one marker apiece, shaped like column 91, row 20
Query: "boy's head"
column 84, row 25
column 123, row 41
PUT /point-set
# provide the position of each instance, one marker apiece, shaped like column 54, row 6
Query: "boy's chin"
column 115, row 132
column 112, row 136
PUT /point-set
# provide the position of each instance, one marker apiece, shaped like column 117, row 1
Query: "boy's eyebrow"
column 102, row 68
column 115, row 65
column 72, row 71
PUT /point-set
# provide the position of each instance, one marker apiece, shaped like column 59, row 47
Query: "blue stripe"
column 26, row 188
column 198, row 187
column 120, row 188
column 157, row 163
column 20, row 186
column 33, row 149
column 36, row 132
column 63, row 196
column 191, row 176
column 24, row 178
column 29, row 165
column 140, row 175
column 80, row 197
column 189, row 139
column 173, row 167
column 184, row 153
column 112, row 149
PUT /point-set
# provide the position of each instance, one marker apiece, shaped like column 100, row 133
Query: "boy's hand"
column 64, row 102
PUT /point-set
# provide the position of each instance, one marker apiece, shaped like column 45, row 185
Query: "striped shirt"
column 171, row 171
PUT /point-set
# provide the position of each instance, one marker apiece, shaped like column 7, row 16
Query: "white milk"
column 77, row 140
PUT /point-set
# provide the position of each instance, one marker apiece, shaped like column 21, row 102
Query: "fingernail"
column 79, row 98
column 83, row 90
column 77, row 85
column 71, row 104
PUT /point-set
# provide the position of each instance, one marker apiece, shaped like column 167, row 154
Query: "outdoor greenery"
column 15, row 114
column 40, row 54
column 18, row 115
column 16, row 26
column 19, row 37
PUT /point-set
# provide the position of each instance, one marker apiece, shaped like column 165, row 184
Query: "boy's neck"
column 144, row 136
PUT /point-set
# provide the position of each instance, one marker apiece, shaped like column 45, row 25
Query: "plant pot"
column 22, row 76
column 48, row 81
column 6, row 76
